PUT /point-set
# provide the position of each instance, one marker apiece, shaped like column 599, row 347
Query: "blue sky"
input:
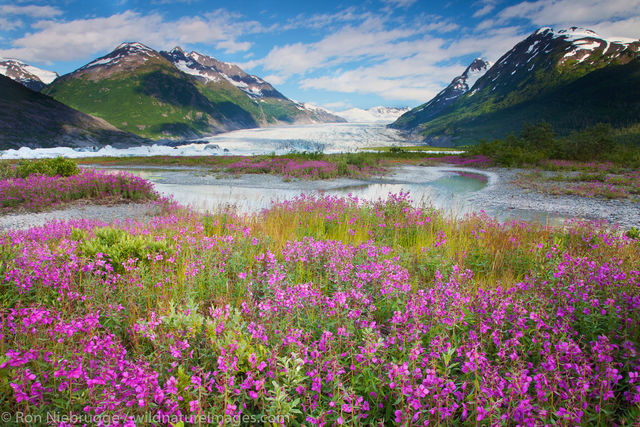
column 338, row 54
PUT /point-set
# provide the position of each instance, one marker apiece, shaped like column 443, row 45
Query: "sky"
column 336, row 54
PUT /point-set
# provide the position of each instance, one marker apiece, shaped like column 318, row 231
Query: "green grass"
column 381, row 159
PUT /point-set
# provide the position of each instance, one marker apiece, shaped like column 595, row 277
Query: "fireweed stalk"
column 37, row 192
column 324, row 311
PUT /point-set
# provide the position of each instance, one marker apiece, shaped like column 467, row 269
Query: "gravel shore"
column 501, row 195
column 106, row 213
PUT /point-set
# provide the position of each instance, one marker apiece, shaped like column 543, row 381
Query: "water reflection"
column 439, row 187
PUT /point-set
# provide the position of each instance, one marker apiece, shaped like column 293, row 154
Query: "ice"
column 372, row 115
column 103, row 62
column 576, row 33
column 475, row 75
column 329, row 138
column 586, row 45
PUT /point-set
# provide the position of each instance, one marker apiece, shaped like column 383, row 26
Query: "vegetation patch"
column 40, row 184
column 322, row 310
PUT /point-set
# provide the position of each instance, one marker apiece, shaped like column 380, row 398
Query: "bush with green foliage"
column 119, row 247
column 51, row 167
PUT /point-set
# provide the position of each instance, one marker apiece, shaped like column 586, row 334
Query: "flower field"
column 38, row 191
column 321, row 311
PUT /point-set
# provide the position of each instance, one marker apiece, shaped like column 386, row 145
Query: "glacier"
column 326, row 137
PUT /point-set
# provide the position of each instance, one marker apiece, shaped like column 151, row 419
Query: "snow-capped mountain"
column 318, row 114
column 32, row 77
column 127, row 56
column 377, row 114
column 176, row 95
column 210, row 69
column 571, row 78
column 565, row 51
column 458, row 87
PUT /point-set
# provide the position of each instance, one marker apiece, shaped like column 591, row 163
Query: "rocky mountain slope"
column 548, row 76
column 458, row 87
column 174, row 94
column 32, row 77
column 30, row 119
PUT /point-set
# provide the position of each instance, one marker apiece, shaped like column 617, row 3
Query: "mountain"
column 377, row 114
column 30, row 119
column 458, row 87
column 571, row 78
column 32, row 77
column 209, row 69
column 173, row 94
column 261, row 99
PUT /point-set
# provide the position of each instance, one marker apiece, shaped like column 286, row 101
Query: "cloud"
column 275, row 79
column 350, row 43
column 32, row 11
column 377, row 56
column 337, row 106
column 81, row 38
column 399, row 3
column 10, row 24
column 371, row 81
column 484, row 10
column 590, row 13
column 323, row 20
column 622, row 28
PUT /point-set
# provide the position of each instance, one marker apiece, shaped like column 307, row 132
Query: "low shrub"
column 58, row 166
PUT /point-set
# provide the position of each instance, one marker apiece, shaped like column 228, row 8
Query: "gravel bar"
column 106, row 213
column 502, row 195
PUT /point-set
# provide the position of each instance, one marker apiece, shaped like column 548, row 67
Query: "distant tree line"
column 539, row 142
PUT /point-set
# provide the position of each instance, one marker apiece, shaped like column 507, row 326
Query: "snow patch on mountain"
column 213, row 70
column 458, row 86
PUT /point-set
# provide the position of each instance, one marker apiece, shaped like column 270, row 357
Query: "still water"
column 443, row 187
